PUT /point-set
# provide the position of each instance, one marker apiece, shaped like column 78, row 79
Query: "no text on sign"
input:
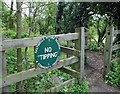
column 47, row 52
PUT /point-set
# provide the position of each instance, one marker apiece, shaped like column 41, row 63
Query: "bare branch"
column 8, row 6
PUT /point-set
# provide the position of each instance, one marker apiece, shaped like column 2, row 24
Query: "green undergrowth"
column 41, row 82
column 116, row 53
column 113, row 77
column 92, row 46
column 78, row 87
column 38, row 83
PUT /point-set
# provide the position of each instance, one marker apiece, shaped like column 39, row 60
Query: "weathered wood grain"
column 28, row 42
column 3, row 70
column 115, row 47
column 82, row 49
column 77, row 46
column 108, row 49
column 116, row 32
column 70, row 51
column 68, row 45
column 35, row 71
column 80, row 45
column 72, row 72
column 1, row 63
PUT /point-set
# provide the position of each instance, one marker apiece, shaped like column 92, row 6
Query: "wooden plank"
column 108, row 49
column 116, row 59
column 116, row 32
column 35, row 71
column 110, row 45
column 68, row 45
column 3, row 70
column 0, row 64
column 86, row 47
column 82, row 48
column 61, row 86
column 116, row 47
column 70, row 51
column 77, row 46
column 34, row 59
column 80, row 45
column 27, row 42
column 106, row 52
column 67, row 37
column 72, row 72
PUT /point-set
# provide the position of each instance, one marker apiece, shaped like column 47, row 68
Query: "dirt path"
column 93, row 72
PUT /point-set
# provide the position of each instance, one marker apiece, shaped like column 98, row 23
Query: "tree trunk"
column 99, row 34
column 19, row 55
column 99, row 40
column 11, row 23
column 33, row 20
column 30, row 18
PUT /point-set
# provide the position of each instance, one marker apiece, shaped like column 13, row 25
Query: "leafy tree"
column 111, row 9
column 76, row 14
column 42, row 18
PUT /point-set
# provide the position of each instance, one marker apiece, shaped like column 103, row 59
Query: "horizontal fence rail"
column 116, row 32
column 13, row 78
column 70, row 51
column 28, row 42
column 115, row 47
column 72, row 72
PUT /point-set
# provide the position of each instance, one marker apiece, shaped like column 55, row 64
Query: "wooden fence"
column 78, row 59
column 109, row 47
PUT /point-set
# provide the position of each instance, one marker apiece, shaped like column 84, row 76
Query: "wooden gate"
column 78, row 59
column 109, row 47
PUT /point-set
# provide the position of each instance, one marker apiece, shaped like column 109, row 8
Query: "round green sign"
column 47, row 52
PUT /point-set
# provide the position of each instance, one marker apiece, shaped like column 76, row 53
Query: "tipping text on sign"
column 48, row 54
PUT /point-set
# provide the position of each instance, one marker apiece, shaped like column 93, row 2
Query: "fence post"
column 0, row 63
column 3, row 70
column 108, row 50
column 86, row 41
column 68, row 44
column 80, row 45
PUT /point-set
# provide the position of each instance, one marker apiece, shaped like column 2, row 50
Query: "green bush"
column 116, row 53
column 9, row 34
column 92, row 46
column 113, row 77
